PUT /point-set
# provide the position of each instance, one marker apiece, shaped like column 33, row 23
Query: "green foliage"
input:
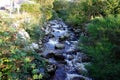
column 112, row 7
column 94, row 8
column 70, row 12
column 33, row 9
column 37, row 76
column 35, row 32
column 102, row 44
column 82, row 11
column 46, row 9
column 41, row 9
column 34, row 29
column 15, row 63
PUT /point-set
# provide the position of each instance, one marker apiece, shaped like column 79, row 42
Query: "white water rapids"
column 63, row 43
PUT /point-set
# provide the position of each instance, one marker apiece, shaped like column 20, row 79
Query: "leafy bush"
column 70, row 12
column 46, row 9
column 102, row 44
column 60, row 7
column 35, row 32
column 111, row 7
column 33, row 9
column 81, row 11
column 15, row 63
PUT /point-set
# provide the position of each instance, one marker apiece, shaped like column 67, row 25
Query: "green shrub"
column 70, row 12
column 102, row 43
column 81, row 11
column 33, row 9
column 35, row 32
column 15, row 63
column 46, row 9
column 112, row 7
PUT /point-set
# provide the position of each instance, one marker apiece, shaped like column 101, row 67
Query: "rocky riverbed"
column 60, row 49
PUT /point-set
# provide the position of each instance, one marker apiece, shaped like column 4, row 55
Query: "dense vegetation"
column 102, row 45
column 99, row 21
column 16, row 62
column 81, row 11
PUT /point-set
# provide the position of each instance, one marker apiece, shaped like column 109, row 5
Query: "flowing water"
column 60, row 47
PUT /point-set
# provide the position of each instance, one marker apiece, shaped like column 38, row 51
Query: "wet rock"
column 77, row 30
column 52, row 61
column 31, row 47
column 85, row 58
column 47, row 30
column 34, row 46
column 59, row 57
column 82, row 57
column 64, row 37
column 70, row 57
column 75, row 77
column 59, row 46
column 72, row 50
column 22, row 36
column 56, row 56
column 40, row 42
column 45, row 39
column 78, row 78
column 50, row 36
column 80, row 68
column 50, row 55
column 51, row 68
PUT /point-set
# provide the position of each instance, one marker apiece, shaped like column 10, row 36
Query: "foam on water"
column 72, row 58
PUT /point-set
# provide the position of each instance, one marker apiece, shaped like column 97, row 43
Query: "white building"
column 11, row 5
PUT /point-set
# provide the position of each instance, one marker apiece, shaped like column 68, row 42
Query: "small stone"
column 59, row 57
column 59, row 46
column 64, row 37
column 51, row 68
column 40, row 42
column 70, row 57
column 85, row 58
column 35, row 46
column 78, row 78
column 80, row 68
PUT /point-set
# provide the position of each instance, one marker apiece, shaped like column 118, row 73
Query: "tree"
column 102, row 44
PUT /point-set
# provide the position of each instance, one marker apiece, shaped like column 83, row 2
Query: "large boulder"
column 57, row 56
column 22, row 36
column 31, row 47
